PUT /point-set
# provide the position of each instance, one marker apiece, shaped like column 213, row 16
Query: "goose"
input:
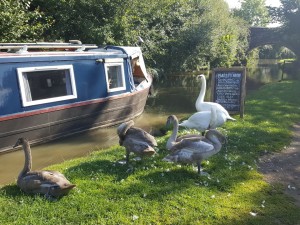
column 201, row 105
column 205, row 120
column 135, row 140
column 51, row 184
column 191, row 151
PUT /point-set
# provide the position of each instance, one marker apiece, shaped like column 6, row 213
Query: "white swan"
column 194, row 151
column 205, row 120
column 201, row 105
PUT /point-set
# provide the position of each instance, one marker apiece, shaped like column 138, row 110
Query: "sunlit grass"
column 155, row 192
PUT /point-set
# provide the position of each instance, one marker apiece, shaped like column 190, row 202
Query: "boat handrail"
column 48, row 45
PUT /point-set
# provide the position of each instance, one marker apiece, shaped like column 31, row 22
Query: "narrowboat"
column 51, row 90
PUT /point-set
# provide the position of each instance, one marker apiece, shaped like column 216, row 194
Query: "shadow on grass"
column 16, row 194
column 87, row 170
column 11, row 190
column 161, row 177
column 137, row 178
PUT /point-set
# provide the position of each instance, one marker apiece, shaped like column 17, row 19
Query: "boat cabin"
column 50, row 90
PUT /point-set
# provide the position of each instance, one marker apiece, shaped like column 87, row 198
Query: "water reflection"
column 176, row 95
column 267, row 71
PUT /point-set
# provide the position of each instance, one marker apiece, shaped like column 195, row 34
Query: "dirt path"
column 284, row 167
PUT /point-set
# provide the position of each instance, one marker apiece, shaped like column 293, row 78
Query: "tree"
column 254, row 12
column 17, row 23
column 91, row 21
column 186, row 35
column 275, row 52
column 179, row 35
column 288, row 14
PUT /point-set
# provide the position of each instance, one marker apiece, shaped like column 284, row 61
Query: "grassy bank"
column 156, row 192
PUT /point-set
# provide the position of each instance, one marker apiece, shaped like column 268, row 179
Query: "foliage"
column 275, row 52
column 288, row 14
column 179, row 35
column 211, row 36
column 155, row 192
column 18, row 24
column 254, row 12
column 91, row 21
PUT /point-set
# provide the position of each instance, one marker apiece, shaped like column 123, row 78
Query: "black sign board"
column 228, row 88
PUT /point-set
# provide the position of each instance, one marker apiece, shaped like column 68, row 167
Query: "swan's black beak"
column 16, row 145
column 170, row 121
column 19, row 142
column 199, row 76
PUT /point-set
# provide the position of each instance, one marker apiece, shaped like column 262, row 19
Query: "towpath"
column 284, row 167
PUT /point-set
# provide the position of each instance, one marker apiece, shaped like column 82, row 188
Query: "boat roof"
column 36, row 50
column 20, row 52
column 129, row 50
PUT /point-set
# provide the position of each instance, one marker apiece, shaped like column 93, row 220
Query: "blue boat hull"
column 56, row 122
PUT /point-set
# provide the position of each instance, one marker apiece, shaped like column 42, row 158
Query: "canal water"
column 175, row 95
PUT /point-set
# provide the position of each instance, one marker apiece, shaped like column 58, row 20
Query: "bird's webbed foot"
column 202, row 173
column 138, row 158
column 200, row 170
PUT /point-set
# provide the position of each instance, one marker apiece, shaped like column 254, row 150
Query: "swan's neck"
column 215, row 141
column 123, row 128
column 213, row 118
column 28, row 159
column 200, row 98
column 172, row 138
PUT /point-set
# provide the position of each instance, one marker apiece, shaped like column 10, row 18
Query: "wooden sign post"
column 228, row 89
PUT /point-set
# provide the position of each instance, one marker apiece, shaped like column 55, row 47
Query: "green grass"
column 156, row 192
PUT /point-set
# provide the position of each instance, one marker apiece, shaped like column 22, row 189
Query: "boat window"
column 115, row 77
column 41, row 85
